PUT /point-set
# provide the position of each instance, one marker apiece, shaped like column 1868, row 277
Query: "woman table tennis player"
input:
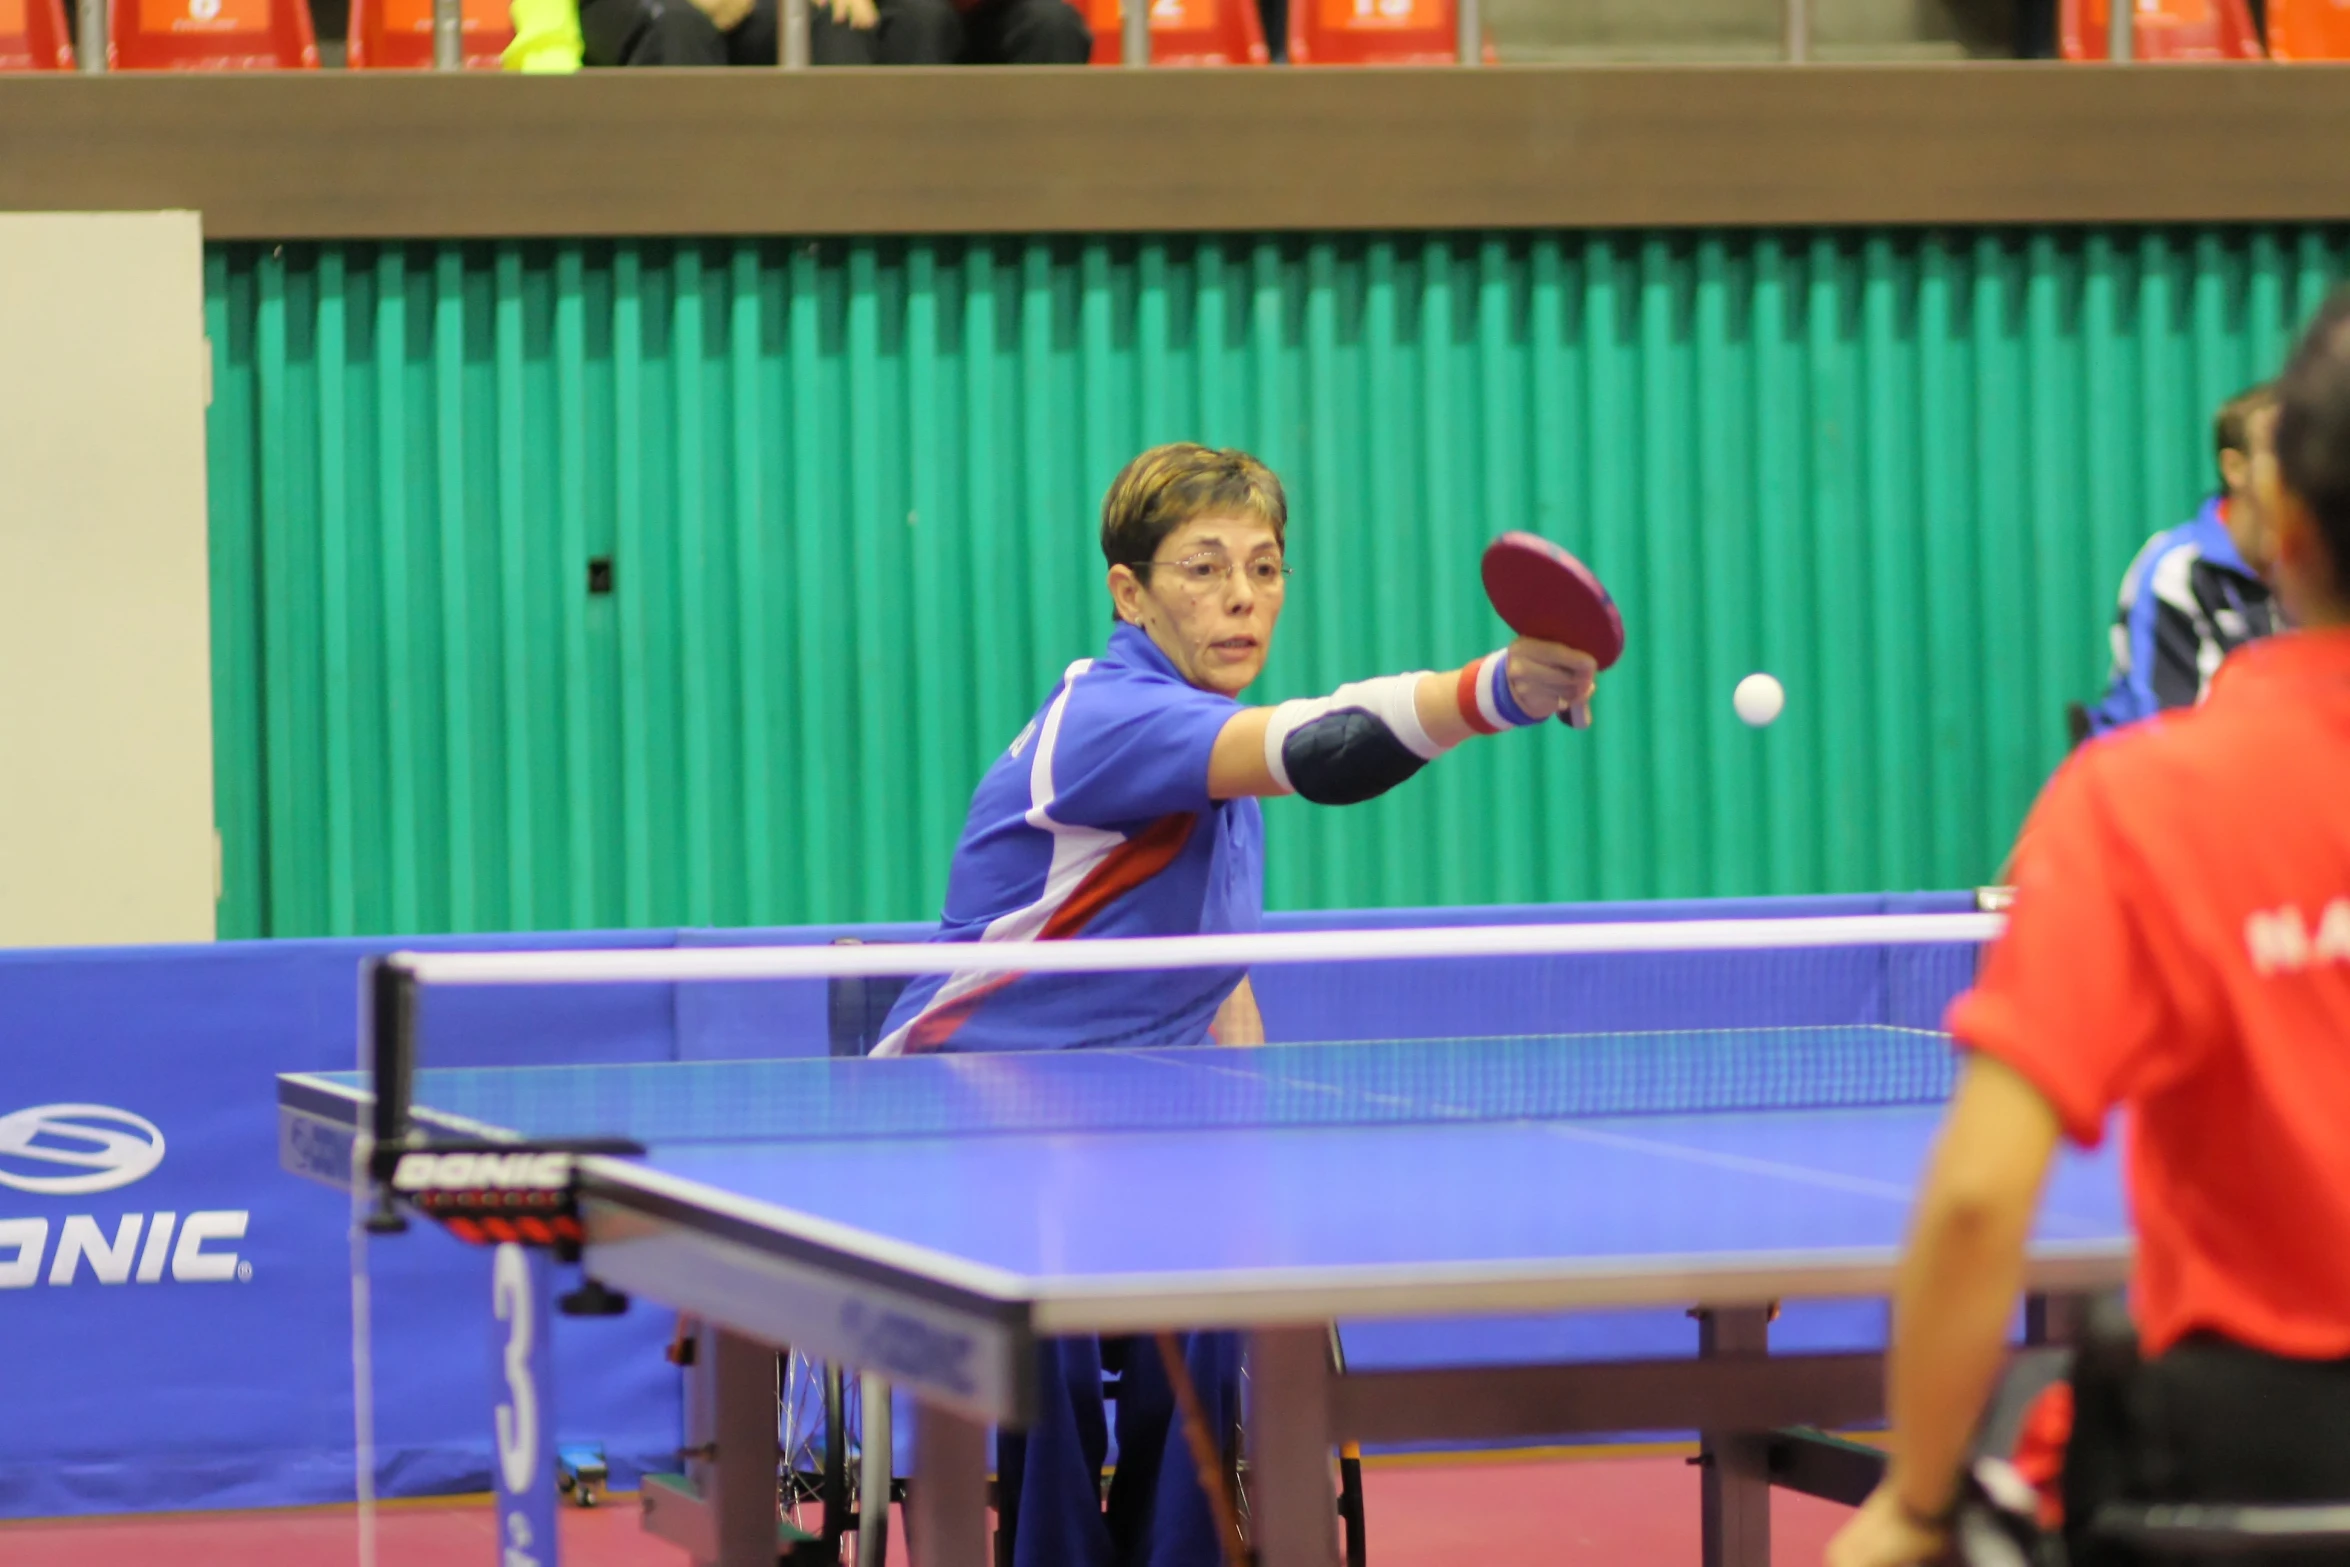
column 1128, row 807
column 2179, row 947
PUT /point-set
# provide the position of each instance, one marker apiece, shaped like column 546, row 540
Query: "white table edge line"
column 917, row 1262
column 322, row 1083
column 1630, row 1265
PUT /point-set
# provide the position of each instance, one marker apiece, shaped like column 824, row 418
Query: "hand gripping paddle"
column 1541, row 591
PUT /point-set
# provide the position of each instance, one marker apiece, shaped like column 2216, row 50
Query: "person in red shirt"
column 2179, row 948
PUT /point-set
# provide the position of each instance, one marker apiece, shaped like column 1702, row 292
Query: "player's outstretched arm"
column 1370, row 735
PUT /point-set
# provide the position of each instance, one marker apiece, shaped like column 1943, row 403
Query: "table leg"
column 1293, row 1518
column 947, row 1493
column 1737, row 1465
column 738, row 1479
column 876, row 1469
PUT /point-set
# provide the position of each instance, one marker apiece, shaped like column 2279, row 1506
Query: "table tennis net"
column 1489, row 1023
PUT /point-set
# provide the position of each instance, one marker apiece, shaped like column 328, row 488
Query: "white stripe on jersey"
column 1076, row 851
column 2173, row 583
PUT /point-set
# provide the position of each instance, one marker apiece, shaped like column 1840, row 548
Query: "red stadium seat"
column 211, row 35
column 33, row 36
column 397, row 35
column 1375, row 32
column 2163, row 30
column 1184, row 32
column 2309, row 29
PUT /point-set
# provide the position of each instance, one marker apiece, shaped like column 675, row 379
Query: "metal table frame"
column 961, row 1338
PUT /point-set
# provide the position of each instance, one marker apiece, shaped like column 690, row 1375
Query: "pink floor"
column 1607, row 1512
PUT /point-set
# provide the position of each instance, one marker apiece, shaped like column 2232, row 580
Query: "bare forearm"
column 1438, row 702
column 1951, row 1307
column 1960, row 1275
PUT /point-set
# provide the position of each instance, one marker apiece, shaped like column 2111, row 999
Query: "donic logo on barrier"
column 65, row 1150
column 70, row 1150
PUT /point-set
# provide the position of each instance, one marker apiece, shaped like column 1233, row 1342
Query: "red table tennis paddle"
column 1541, row 591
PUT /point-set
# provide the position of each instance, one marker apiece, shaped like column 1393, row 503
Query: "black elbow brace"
column 1345, row 757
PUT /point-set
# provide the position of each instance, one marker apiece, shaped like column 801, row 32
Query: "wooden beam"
column 413, row 155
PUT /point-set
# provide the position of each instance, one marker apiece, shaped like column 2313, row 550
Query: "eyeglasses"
column 1203, row 574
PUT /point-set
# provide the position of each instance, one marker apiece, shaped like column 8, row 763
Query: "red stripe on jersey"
column 1122, row 870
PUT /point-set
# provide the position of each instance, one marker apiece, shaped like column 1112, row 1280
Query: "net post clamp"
column 496, row 1193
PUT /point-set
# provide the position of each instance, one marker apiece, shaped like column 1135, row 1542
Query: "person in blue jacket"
column 2196, row 592
column 1128, row 807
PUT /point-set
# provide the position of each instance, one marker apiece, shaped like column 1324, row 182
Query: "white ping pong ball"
column 1758, row 699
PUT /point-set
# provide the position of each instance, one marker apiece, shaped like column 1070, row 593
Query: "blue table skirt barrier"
column 209, row 1364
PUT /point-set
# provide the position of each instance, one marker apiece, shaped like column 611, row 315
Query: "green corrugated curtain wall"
column 849, row 490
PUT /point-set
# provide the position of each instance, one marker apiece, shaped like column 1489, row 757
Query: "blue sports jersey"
column 2187, row 602
column 1096, row 822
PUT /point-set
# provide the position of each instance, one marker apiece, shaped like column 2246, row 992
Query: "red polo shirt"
column 2180, row 944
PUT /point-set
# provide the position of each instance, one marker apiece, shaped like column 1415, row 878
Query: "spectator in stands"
column 2196, row 592
column 840, row 32
column 964, row 32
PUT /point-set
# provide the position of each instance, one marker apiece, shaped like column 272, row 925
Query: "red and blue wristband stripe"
column 1485, row 700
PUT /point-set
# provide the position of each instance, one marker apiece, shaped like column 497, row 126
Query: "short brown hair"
column 2231, row 427
column 1171, row 485
column 2313, row 429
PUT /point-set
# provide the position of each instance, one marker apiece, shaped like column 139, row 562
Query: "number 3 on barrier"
column 521, row 1294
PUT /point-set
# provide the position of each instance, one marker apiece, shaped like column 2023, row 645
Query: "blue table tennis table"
column 929, row 1220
